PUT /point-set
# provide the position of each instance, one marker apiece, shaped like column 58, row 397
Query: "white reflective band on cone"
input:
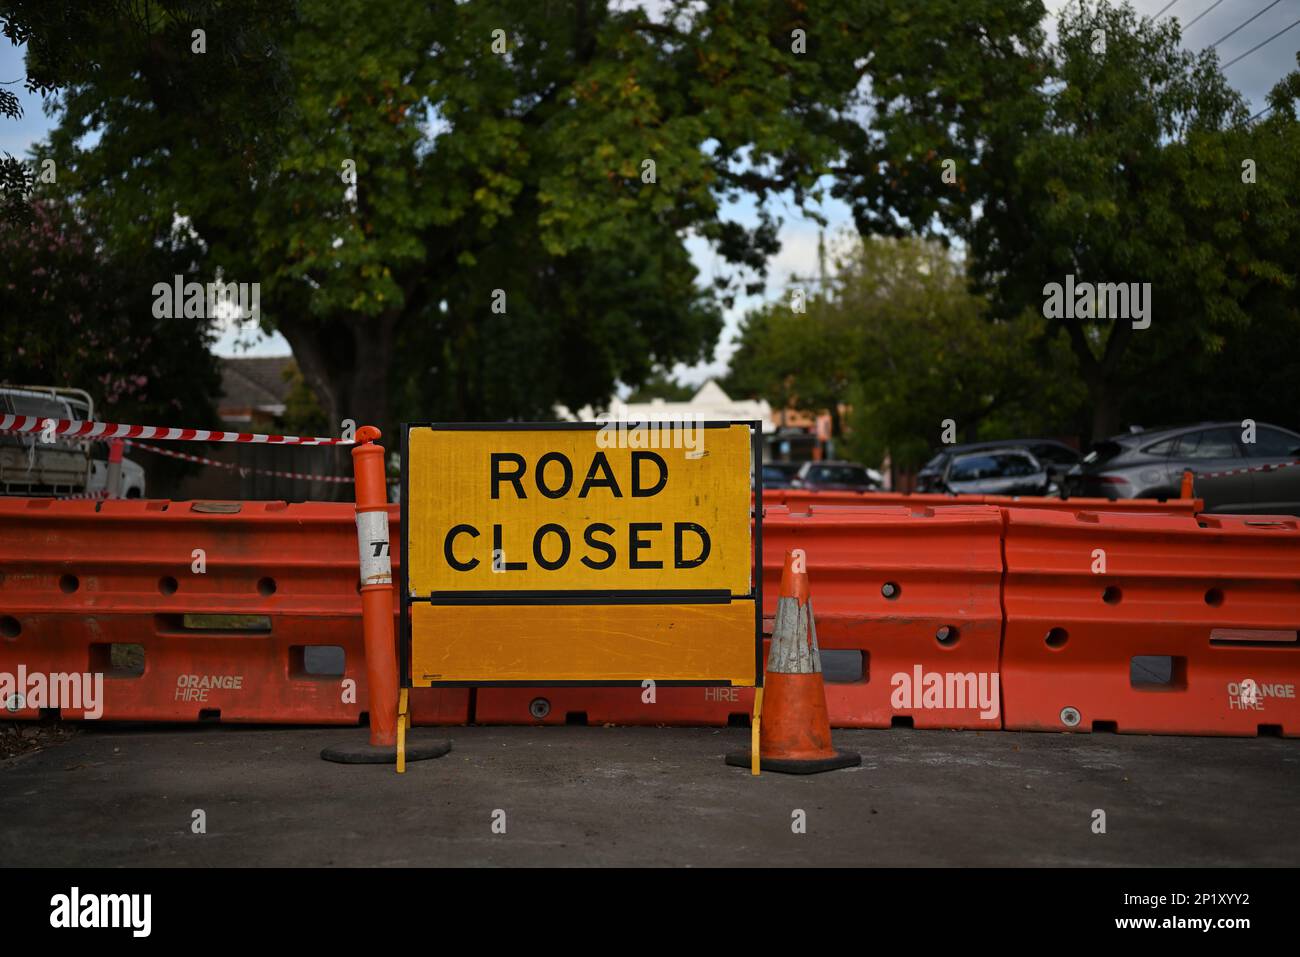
column 372, row 544
column 794, row 648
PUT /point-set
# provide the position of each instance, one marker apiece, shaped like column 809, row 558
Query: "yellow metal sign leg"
column 403, row 722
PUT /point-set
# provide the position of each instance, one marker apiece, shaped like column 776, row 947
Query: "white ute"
column 63, row 467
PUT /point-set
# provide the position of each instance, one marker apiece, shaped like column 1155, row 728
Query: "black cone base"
column 841, row 759
column 363, row 752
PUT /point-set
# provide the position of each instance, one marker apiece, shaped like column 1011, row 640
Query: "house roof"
column 710, row 403
column 254, row 383
column 711, row 394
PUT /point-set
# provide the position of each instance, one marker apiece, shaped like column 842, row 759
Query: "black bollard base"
column 363, row 752
column 841, row 759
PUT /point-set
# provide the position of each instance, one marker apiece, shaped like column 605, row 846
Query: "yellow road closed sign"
column 580, row 553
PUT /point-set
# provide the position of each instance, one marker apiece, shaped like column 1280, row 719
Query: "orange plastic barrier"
column 1190, row 626
column 238, row 612
column 916, row 592
column 913, row 592
column 799, row 500
column 666, row 707
column 1168, row 624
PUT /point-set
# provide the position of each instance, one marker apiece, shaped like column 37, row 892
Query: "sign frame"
column 586, row 597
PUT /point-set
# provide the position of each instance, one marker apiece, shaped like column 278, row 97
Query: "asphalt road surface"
column 122, row 796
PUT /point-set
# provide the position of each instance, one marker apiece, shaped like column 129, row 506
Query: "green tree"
column 906, row 345
column 81, row 315
column 1113, row 156
column 302, row 413
column 802, row 360
column 520, row 168
column 230, row 97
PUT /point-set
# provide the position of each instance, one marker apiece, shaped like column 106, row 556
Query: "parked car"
column 29, row 466
column 780, row 474
column 837, row 476
column 1150, row 464
column 997, row 471
column 1057, row 457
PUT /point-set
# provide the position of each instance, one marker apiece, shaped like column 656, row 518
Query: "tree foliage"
column 512, row 161
column 1112, row 155
column 906, row 345
column 80, row 314
column 479, row 210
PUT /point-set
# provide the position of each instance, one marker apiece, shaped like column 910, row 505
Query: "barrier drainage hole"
column 901, row 721
column 1057, row 637
column 68, row 584
column 9, row 627
column 1111, row 595
column 1158, row 672
column 168, row 585
column 841, row 666
column 1214, row 597
column 947, row 636
column 328, row 662
column 577, row 718
column 266, row 587
column 890, row 590
column 119, row 660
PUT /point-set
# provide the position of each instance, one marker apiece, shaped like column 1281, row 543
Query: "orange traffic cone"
column 795, row 734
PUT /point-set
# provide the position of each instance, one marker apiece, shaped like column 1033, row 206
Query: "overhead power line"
column 1201, row 14
column 1246, row 23
column 1163, row 9
column 1258, row 45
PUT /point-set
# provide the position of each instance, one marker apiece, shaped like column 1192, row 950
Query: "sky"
column 1253, row 76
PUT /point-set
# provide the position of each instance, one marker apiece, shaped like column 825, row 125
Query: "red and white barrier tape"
column 241, row 469
column 1242, row 471
column 111, row 430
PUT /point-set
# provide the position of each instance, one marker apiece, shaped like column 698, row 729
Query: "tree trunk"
column 1105, row 409
column 365, row 392
column 346, row 364
column 1097, row 374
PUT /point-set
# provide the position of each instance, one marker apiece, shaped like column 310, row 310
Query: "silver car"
column 1007, row 471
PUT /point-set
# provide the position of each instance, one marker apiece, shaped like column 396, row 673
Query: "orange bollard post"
column 1188, row 486
column 113, row 484
column 377, row 618
column 795, row 736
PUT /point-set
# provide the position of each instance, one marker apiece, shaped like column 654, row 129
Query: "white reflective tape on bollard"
column 372, row 542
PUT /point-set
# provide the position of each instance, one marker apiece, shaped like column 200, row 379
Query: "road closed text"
column 553, row 510
column 648, row 545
